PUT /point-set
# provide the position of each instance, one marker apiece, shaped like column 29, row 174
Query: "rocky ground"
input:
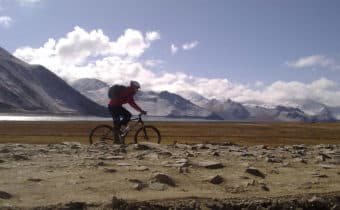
column 151, row 176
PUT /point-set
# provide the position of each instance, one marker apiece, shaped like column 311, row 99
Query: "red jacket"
column 126, row 97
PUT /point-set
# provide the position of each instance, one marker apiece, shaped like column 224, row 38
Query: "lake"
column 8, row 117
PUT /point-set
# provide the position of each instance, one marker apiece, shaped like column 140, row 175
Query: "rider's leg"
column 126, row 116
column 115, row 113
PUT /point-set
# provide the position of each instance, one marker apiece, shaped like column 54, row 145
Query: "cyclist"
column 118, row 111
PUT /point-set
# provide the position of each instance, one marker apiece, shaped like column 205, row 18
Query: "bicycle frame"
column 138, row 120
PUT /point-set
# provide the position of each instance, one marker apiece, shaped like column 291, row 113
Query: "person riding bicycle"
column 117, row 110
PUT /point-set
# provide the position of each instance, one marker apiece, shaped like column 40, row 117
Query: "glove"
column 143, row 112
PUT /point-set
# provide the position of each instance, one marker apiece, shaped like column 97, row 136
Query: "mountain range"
column 191, row 104
column 34, row 89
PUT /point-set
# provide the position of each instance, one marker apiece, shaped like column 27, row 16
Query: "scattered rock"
column 255, row 172
column 217, row 179
column 245, row 154
column 5, row 150
column 141, row 147
column 300, row 160
column 286, row 164
column 123, row 164
column 101, row 163
column 183, row 162
column 264, row 188
column 163, row 178
column 112, row 158
column 157, row 186
column 138, row 186
column 189, row 154
column 317, row 175
column 273, row 160
column 110, row 170
column 182, row 146
column 316, row 199
column 17, row 157
column 117, row 203
column 164, row 154
column 336, row 158
column 34, row 180
column 183, row 170
column 5, row 195
column 202, row 146
column 244, row 177
column 275, row 171
column 322, row 157
column 299, row 147
column 210, row 164
column 141, row 168
column 151, row 145
column 326, row 166
column 215, row 153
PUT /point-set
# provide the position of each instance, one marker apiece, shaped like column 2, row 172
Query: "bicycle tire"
column 148, row 133
column 101, row 133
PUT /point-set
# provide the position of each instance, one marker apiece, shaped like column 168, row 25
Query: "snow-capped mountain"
column 94, row 89
column 34, row 89
column 163, row 104
column 194, row 98
column 87, row 84
column 229, row 110
column 172, row 105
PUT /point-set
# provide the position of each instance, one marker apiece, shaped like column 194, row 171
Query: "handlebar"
column 137, row 117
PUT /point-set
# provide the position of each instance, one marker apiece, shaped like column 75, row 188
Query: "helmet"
column 135, row 84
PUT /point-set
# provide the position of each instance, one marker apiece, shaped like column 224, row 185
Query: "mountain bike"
column 105, row 133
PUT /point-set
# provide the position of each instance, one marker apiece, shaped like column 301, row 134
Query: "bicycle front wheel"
column 148, row 133
column 102, row 133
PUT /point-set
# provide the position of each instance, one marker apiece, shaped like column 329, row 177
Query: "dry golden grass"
column 276, row 133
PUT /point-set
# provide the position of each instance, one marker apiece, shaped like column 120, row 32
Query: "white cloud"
column 153, row 63
column 5, row 21
column 259, row 84
column 314, row 61
column 190, row 45
column 83, row 54
column 152, row 36
column 28, row 2
column 174, row 49
column 91, row 54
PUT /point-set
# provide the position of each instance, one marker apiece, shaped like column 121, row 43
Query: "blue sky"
column 271, row 50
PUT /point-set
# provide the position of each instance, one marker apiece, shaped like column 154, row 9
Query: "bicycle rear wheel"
column 102, row 133
column 148, row 133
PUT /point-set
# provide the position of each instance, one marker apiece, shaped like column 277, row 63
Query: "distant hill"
column 34, row 89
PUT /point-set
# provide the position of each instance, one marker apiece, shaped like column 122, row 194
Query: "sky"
column 268, row 51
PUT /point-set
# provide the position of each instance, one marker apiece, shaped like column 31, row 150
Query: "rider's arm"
column 132, row 103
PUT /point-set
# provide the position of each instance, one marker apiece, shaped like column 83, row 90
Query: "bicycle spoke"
column 148, row 133
column 102, row 133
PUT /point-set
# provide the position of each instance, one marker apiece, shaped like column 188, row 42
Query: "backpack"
column 115, row 91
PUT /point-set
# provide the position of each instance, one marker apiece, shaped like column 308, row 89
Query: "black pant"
column 117, row 113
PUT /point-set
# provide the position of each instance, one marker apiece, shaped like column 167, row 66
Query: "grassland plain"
column 244, row 133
